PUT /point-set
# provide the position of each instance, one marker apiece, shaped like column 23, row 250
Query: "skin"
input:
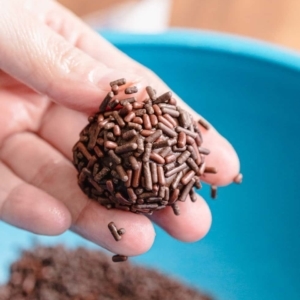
column 54, row 71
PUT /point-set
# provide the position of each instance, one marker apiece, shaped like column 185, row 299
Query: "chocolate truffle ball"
column 140, row 156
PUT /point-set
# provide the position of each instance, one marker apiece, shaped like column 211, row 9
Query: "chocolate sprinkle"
column 135, row 152
column 81, row 274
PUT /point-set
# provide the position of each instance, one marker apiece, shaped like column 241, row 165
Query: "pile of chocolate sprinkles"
column 57, row 273
column 140, row 156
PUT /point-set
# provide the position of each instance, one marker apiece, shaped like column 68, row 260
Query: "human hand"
column 54, row 70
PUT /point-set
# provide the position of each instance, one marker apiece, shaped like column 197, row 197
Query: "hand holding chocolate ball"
column 48, row 87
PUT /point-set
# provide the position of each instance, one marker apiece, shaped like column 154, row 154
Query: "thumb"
column 46, row 62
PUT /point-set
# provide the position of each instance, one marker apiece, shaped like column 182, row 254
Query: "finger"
column 49, row 63
column 191, row 225
column 29, row 208
column 44, row 167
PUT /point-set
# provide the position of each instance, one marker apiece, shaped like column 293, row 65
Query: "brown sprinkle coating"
column 119, row 258
column 213, row 191
column 114, row 231
column 118, row 82
column 204, row 123
column 140, row 156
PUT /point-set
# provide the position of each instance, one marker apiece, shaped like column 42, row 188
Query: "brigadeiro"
column 140, row 156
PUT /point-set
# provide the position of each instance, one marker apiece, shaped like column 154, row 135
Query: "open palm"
column 70, row 67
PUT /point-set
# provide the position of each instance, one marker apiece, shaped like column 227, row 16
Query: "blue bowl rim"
column 211, row 41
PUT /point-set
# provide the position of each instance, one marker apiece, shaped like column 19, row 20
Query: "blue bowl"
column 250, row 91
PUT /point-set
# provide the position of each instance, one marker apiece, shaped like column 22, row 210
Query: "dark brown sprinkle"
column 138, row 105
column 181, row 142
column 131, row 90
column 126, row 148
column 136, row 176
column 170, row 120
column 192, row 164
column 122, row 207
column 137, row 120
column 153, row 137
column 213, row 191
column 129, row 175
column 105, row 102
column 149, row 109
column 118, row 118
column 147, row 174
column 121, row 199
column 135, row 126
column 112, row 104
column 157, row 158
column 178, row 149
column 163, row 98
column 169, row 166
column 101, row 174
column 190, row 140
column 128, row 100
column 197, row 183
column 161, row 144
column 157, row 110
column 110, row 145
column 98, row 151
column 118, row 82
column 186, row 190
column 161, row 175
column 114, row 231
column 184, row 118
column 168, row 131
column 167, row 194
column 183, row 157
column 133, row 162
column 115, row 158
column 121, row 172
column 83, row 150
column 129, row 117
column 238, row 179
column 147, row 152
column 170, row 158
column 176, row 209
column 115, row 89
column 176, row 180
column 165, row 121
column 119, row 258
column 187, row 177
column 186, row 131
column 146, row 206
column 121, row 231
column 204, row 123
column 174, row 196
column 110, row 136
column 153, row 168
column 131, row 194
column 91, row 162
column 129, row 134
column 175, row 170
column 109, row 125
column 211, row 170
column 193, row 195
column 151, row 92
column 140, row 112
column 146, row 132
column 203, row 150
column 170, row 111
